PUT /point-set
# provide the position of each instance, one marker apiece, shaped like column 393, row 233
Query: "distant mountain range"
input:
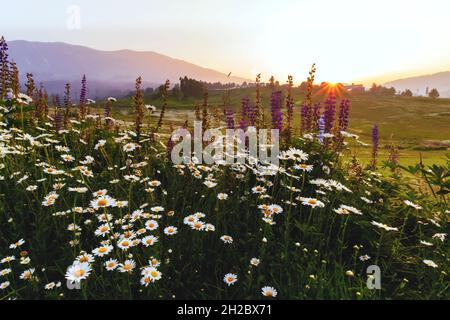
column 107, row 72
column 418, row 85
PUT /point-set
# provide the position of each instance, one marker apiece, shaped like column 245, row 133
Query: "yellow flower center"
column 102, row 202
column 79, row 273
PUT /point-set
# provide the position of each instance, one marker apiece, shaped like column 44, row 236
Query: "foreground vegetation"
column 108, row 210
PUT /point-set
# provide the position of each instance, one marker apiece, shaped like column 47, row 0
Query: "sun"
column 331, row 89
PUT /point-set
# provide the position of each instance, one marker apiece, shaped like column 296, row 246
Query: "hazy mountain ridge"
column 419, row 84
column 107, row 72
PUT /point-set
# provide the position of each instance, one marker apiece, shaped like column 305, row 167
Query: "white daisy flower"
column 259, row 189
column 16, row 244
column 125, row 244
column 270, row 292
column 127, row 266
column 102, row 230
column 430, row 263
column 78, row 271
column 255, row 262
column 152, row 273
column 304, row 167
column 151, row 225
column 345, row 210
column 102, row 250
column 103, row 202
column 226, row 239
column 4, row 285
column 383, row 226
column 312, row 202
column 230, row 278
column 171, row 230
column 149, row 240
column 111, row 264
column 411, row 204
column 274, row 208
column 222, row 196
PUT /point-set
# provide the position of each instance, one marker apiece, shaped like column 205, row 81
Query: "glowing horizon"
column 349, row 41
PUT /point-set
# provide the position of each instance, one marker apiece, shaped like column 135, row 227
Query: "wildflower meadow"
column 93, row 207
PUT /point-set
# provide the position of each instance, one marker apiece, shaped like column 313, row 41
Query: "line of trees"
column 433, row 93
column 192, row 88
column 380, row 90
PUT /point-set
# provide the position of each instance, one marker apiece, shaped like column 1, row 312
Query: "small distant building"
column 355, row 88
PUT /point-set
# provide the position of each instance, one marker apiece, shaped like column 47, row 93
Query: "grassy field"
column 418, row 126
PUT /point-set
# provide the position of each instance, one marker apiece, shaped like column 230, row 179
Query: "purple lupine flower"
column 3, row 53
column 57, row 101
column 305, row 115
column 277, row 115
column 375, row 138
column 245, row 107
column 229, row 115
column 3, row 50
column 321, row 128
column 243, row 124
column 4, row 66
column 83, row 92
column 314, row 118
column 252, row 114
column 343, row 115
column 9, row 94
column 83, row 100
column 393, row 157
column 330, row 112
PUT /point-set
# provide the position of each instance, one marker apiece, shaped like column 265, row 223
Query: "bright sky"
column 350, row 40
